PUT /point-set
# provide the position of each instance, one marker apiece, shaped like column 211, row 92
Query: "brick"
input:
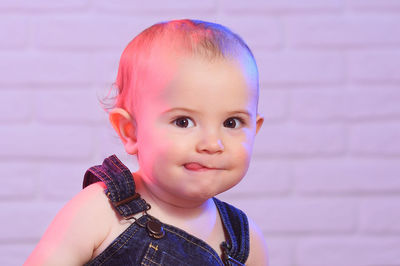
column 375, row 66
column 297, row 139
column 19, row 179
column 280, row 251
column 14, row 254
column 89, row 34
column 375, row 139
column 105, row 69
column 170, row 7
column 13, row 32
column 263, row 178
column 374, row 5
column 62, row 181
column 22, row 228
column 366, row 31
column 107, row 143
column 322, row 105
column 347, row 176
column 298, row 68
column 272, row 105
column 72, row 142
column 371, row 104
column 278, row 216
column 69, row 107
column 354, row 251
column 17, row 106
column 54, row 68
column 282, row 6
column 380, row 216
column 43, row 5
column 257, row 31
column 335, row 104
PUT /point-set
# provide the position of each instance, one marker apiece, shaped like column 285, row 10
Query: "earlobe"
column 124, row 125
column 259, row 122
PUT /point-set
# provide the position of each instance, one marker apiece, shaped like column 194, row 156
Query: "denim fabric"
column 137, row 246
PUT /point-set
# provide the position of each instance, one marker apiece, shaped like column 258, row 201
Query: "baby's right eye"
column 184, row 122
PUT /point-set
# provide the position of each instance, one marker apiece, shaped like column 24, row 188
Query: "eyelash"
column 241, row 121
column 175, row 121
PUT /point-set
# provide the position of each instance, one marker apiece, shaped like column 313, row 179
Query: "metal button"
column 155, row 229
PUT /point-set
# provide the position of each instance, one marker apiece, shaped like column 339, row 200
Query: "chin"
column 199, row 196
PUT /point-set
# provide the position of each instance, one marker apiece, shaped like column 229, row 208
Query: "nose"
column 210, row 142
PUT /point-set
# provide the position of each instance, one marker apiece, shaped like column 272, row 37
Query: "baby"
column 187, row 108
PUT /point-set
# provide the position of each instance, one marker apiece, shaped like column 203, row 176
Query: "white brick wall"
column 324, row 183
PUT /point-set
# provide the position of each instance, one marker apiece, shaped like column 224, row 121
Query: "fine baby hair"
column 177, row 38
column 186, row 106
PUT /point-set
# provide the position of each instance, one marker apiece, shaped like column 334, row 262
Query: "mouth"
column 192, row 166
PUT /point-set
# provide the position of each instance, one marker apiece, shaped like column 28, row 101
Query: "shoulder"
column 71, row 237
column 258, row 247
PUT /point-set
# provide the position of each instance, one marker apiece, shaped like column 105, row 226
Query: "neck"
column 162, row 205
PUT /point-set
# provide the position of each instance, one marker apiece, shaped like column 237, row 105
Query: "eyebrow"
column 244, row 112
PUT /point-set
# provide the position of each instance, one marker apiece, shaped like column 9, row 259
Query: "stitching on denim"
column 217, row 258
column 139, row 203
column 145, row 256
column 155, row 248
column 246, row 237
column 154, row 252
column 122, row 244
column 112, row 181
column 122, row 171
column 121, row 167
column 222, row 209
column 151, row 262
column 123, row 207
column 235, row 252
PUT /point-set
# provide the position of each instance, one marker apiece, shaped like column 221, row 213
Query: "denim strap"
column 120, row 185
column 237, row 227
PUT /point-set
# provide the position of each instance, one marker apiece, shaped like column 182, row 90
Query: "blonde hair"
column 184, row 37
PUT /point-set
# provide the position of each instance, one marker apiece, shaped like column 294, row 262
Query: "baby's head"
column 187, row 107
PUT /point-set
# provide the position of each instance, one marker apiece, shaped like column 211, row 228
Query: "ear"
column 125, row 126
column 259, row 122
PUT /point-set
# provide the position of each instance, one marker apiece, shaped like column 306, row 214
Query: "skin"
column 193, row 133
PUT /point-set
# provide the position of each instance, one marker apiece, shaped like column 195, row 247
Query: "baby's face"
column 195, row 130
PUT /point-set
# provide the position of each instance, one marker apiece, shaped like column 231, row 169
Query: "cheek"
column 244, row 148
column 157, row 149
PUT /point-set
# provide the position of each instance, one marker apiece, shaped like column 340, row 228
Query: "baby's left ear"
column 259, row 122
column 125, row 127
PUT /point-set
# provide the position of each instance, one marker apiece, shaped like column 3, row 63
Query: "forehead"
column 198, row 75
column 192, row 71
column 196, row 82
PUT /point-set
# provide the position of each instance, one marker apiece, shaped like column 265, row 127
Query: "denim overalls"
column 150, row 242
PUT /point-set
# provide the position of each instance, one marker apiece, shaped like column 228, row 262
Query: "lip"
column 194, row 166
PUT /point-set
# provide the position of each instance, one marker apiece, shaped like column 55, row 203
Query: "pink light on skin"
column 199, row 167
column 187, row 165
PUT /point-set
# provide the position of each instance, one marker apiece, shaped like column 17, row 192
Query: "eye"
column 233, row 122
column 184, row 122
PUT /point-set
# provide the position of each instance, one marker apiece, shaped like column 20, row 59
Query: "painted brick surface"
column 17, row 106
column 341, row 251
column 301, row 140
column 375, row 139
column 357, row 31
column 284, row 6
column 380, row 216
column 296, row 68
column 374, row 66
column 13, row 32
column 324, row 182
column 347, row 176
